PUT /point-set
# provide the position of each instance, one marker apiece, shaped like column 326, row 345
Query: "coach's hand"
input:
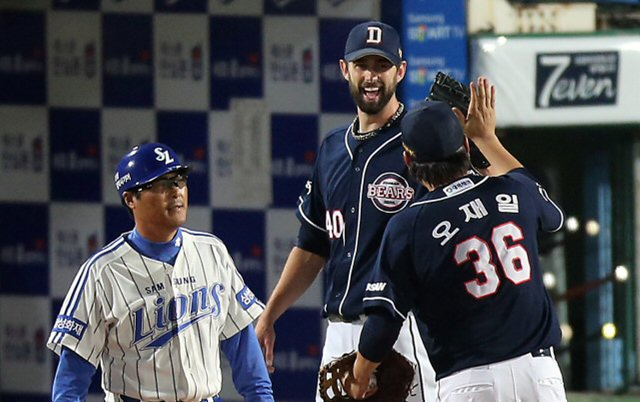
column 267, row 337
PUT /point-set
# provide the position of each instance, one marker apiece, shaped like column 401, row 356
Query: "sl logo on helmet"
column 390, row 192
column 163, row 155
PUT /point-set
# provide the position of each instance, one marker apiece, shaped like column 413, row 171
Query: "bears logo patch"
column 390, row 192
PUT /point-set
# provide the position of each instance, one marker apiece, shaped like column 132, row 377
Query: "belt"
column 349, row 320
column 544, row 352
column 212, row 399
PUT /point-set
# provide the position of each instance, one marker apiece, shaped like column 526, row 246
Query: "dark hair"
column 442, row 172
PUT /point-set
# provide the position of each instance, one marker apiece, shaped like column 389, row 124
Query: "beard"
column 367, row 106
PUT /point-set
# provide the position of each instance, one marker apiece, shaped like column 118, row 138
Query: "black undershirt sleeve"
column 378, row 335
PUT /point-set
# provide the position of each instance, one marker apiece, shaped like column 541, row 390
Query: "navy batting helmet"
column 145, row 163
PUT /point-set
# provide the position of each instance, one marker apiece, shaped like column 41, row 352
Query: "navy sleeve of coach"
column 393, row 282
column 550, row 215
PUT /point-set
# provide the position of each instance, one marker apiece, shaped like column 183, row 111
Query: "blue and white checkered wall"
column 242, row 89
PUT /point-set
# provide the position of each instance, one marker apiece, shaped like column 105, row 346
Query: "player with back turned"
column 359, row 182
column 154, row 308
column 464, row 258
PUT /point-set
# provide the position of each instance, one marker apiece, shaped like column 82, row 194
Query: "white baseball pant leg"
column 525, row 379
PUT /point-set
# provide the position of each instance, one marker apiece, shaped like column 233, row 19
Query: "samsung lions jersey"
column 143, row 320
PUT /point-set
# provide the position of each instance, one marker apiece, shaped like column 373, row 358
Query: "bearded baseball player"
column 154, row 307
column 464, row 258
column 359, row 182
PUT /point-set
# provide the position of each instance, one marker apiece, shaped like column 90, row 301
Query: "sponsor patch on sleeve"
column 245, row 297
column 376, row 286
column 69, row 325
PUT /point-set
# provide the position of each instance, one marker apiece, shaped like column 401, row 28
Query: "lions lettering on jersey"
column 171, row 317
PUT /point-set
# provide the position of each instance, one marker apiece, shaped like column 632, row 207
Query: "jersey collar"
column 372, row 143
column 165, row 252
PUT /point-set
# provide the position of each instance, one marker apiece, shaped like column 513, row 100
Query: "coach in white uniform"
column 154, row 308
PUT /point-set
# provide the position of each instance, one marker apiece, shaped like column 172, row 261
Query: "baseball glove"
column 449, row 90
column 394, row 379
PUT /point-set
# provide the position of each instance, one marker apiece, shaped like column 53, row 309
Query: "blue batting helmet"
column 145, row 163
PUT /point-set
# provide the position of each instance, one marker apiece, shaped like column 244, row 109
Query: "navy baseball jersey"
column 465, row 259
column 356, row 187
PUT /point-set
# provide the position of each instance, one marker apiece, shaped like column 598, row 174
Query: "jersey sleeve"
column 550, row 215
column 81, row 325
column 393, row 282
column 244, row 307
column 311, row 210
column 313, row 240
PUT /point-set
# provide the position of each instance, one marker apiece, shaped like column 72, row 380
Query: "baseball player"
column 464, row 258
column 154, row 307
column 359, row 182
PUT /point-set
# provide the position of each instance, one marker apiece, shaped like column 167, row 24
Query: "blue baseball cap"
column 145, row 163
column 431, row 132
column 373, row 38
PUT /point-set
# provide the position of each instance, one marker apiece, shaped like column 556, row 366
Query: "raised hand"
column 480, row 121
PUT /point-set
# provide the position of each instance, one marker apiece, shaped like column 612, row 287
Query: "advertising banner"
column 544, row 81
column 291, row 78
column 75, row 154
column 24, row 153
column 122, row 129
column 75, row 234
column 435, row 39
column 74, row 55
column 181, row 62
column 24, row 328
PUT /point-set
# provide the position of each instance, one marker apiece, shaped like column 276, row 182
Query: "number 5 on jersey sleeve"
column 514, row 260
